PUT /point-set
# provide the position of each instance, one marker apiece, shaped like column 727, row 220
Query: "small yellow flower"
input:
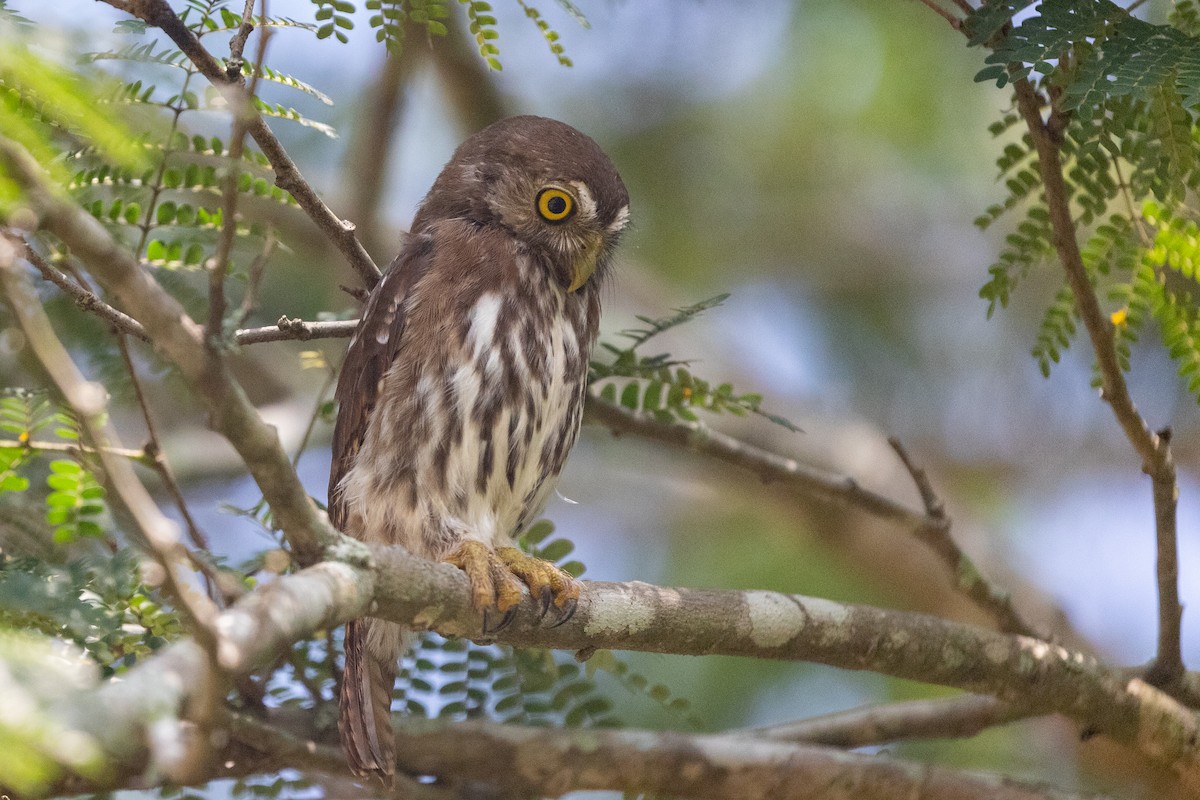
column 1119, row 317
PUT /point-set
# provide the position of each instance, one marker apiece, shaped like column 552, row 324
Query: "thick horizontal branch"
column 931, row 528
column 180, row 339
column 390, row 583
column 551, row 762
column 287, row 176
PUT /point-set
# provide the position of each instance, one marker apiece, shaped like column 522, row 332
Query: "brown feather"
column 365, row 706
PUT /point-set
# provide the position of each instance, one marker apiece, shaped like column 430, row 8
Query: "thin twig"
column 75, row 448
column 84, row 298
column 155, row 451
column 967, row 578
column 256, row 272
column 159, row 14
column 330, row 378
column 939, row 718
column 237, row 44
column 303, row 330
column 955, row 22
column 1153, row 448
column 931, row 528
column 243, row 113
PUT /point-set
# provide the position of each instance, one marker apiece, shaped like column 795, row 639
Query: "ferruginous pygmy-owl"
column 463, row 388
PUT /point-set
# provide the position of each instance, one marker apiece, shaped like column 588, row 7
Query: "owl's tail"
column 365, row 703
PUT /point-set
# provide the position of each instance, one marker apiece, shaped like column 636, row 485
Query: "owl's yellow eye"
column 555, row 205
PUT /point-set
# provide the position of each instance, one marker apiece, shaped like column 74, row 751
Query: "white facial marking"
column 587, row 204
column 621, row 220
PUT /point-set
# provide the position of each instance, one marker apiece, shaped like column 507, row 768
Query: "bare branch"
column 955, row 22
column 257, row 269
column 286, row 329
column 84, row 298
column 939, row 718
column 159, row 14
column 238, row 43
column 243, row 114
column 967, row 579
column 181, row 340
column 1153, row 448
column 931, row 528
column 158, row 459
column 74, row 448
column 389, row 583
column 551, row 762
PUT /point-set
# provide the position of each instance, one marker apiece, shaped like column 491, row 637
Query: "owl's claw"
column 494, row 588
column 544, row 598
column 496, row 577
column 565, row 613
column 505, row 620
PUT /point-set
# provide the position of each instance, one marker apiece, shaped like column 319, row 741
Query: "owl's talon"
column 566, row 612
column 545, row 597
column 504, row 622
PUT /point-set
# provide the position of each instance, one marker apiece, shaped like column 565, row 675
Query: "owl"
column 462, row 390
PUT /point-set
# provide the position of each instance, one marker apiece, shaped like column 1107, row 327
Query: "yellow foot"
column 548, row 584
column 496, row 577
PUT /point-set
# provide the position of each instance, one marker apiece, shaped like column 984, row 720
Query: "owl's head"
column 549, row 185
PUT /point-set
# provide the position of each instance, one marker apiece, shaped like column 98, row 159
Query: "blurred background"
column 822, row 161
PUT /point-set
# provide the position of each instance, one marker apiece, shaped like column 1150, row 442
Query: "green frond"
column 1179, row 321
column 576, row 13
column 655, row 326
column 279, row 111
column 1176, row 240
column 44, row 107
column 1027, row 246
column 1185, row 15
column 332, row 19
column 144, row 53
column 1056, row 330
column 549, row 34
column 482, row 26
column 639, row 685
column 1112, row 248
column 75, row 505
column 388, row 23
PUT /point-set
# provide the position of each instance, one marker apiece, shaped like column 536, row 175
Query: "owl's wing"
column 374, row 347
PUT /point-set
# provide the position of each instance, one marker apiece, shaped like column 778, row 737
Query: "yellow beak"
column 583, row 268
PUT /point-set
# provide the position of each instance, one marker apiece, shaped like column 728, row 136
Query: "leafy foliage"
column 390, row 18
column 1126, row 94
column 663, row 386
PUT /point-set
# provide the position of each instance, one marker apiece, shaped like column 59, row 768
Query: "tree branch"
column 389, row 583
column 931, row 528
column 181, row 340
column 1153, row 448
column 286, row 329
column 159, row 534
column 940, row 718
column 84, row 298
column 551, row 762
column 287, row 176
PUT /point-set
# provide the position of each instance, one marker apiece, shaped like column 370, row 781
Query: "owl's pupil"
column 556, row 205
